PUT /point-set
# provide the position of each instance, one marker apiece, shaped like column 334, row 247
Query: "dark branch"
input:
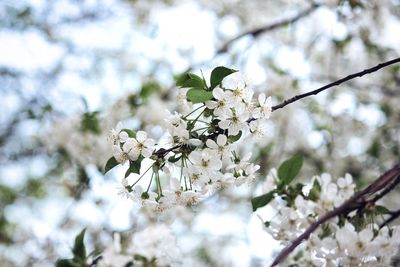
column 386, row 180
column 270, row 27
column 336, row 83
column 393, row 216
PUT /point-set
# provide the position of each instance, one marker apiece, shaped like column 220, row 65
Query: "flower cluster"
column 153, row 246
column 198, row 153
column 350, row 240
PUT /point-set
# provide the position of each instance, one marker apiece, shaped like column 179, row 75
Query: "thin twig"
column 393, row 216
column 336, row 83
column 345, row 208
column 270, row 27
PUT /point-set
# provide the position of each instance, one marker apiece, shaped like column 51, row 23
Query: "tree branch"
column 382, row 183
column 336, row 83
column 270, row 27
column 393, row 216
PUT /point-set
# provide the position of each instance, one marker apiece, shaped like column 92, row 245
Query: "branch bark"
column 270, row 27
column 336, row 83
column 385, row 182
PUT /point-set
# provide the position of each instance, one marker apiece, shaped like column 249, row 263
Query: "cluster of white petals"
column 198, row 154
column 153, row 246
column 340, row 242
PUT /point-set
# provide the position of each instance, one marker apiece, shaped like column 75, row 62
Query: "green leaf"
column 79, row 250
column 315, row 191
column 134, row 166
column 174, row 158
column 90, row 122
column 381, row 209
column 234, row 138
column 218, row 74
column 262, row 200
column 289, row 169
column 190, row 80
column 130, row 133
column 148, row 88
column 64, row 263
column 111, row 163
column 196, row 95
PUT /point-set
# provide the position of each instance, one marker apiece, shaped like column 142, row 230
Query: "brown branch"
column 393, row 216
column 270, row 27
column 379, row 184
column 336, row 83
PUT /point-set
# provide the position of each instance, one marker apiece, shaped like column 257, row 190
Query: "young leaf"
column 315, row 191
column 290, row 169
column 90, row 122
column 111, row 163
column 134, row 166
column 218, row 74
column 190, row 80
column 79, row 250
column 196, row 95
column 148, row 88
column 381, row 210
column 262, row 200
column 234, row 138
column 174, row 158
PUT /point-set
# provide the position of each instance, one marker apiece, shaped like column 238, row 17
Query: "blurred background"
column 71, row 69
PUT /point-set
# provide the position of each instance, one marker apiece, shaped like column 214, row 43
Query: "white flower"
column 385, row 245
column 123, row 189
column 360, row 242
column 248, row 174
column 156, row 242
column 265, row 107
column 221, row 147
column 240, row 162
column 139, row 145
column 116, row 135
column 222, row 104
column 181, row 136
column 121, row 155
column 174, row 120
column 346, row 186
column 207, row 161
column 305, row 207
column 240, row 87
column 234, row 120
column 195, row 176
column 112, row 256
column 258, row 129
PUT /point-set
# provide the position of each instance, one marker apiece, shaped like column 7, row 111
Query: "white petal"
column 147, row 152
column 224, row 124
column 211, row 104
column 195, row 142
column 123, row 136
column 149, row 143
column 211, row 144
column 221, row 140
column 129, row 144
column 141, row 136
column 119, row 127
column 195, row 157
column 261, row 99
column 133, row 154
column 366, row 235
column 218, row 93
